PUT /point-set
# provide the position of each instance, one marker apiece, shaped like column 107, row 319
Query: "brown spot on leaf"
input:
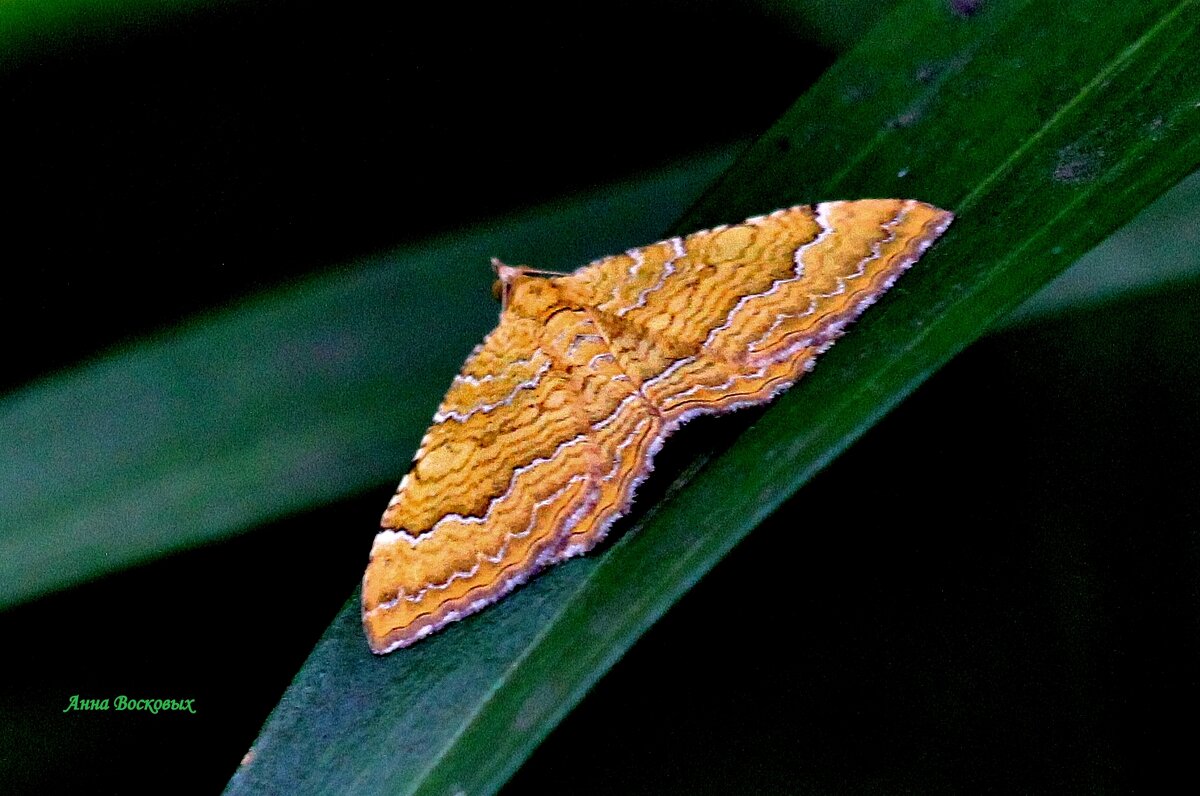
column 965, row 9
column 906, row 119
column 1076, row 165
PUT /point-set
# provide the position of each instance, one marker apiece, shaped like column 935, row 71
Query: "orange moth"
column 556, row 416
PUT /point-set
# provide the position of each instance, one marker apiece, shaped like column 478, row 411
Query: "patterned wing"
column 533, row 450
column 729, row 317
column 504, row 467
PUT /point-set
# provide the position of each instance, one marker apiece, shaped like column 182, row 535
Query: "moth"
column 555, row 419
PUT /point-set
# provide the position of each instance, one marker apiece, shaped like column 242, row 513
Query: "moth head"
column 537, row 291
column 505, row 276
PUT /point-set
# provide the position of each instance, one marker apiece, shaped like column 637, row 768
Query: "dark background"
column 996, row 589
column 163, row 166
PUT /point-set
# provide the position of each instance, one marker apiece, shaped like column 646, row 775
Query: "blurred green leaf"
column 1044, row 126
column 30, row 27
column 289, row 401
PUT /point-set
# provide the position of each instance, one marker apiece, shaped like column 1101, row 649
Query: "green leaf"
column 1044, row 126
